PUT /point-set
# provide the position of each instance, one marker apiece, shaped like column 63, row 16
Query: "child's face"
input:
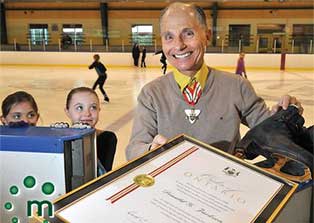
column 22, row 111
column 84, row 107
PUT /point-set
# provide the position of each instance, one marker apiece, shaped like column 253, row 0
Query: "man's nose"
column 179, row 43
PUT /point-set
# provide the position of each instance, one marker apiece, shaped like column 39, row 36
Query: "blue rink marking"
column 38, row 139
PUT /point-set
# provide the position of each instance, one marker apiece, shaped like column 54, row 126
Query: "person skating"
column 102, row 75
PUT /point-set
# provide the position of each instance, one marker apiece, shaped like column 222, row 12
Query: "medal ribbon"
column 192, row 92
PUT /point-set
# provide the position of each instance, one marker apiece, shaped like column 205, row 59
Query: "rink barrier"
column 83, row 59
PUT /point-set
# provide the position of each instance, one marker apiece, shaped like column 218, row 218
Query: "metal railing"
column 222, row 47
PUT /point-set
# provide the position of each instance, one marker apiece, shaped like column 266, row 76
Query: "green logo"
column 29, row 182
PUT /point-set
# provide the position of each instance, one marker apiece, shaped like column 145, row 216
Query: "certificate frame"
column 267, row 214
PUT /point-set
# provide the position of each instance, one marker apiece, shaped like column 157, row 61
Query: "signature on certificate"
column 176, row 197
column 214, row 183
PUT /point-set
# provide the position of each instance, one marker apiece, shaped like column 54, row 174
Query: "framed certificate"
column 182, row 181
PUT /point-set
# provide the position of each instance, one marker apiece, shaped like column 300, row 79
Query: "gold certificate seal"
column 144, row 180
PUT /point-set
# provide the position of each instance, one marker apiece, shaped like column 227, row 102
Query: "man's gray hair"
column 199, row 12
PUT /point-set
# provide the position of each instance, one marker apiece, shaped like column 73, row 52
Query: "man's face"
column 184, row 40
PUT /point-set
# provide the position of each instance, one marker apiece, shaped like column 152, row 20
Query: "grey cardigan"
column 227, row 101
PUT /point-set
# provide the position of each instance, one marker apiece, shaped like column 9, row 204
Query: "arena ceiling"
column 152, row 1
column 159, row 4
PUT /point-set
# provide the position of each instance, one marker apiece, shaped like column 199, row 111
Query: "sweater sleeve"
column 144, row 126
column 253, row 108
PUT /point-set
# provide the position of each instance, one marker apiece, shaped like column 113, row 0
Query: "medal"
column 192, row 114
column 192, row 94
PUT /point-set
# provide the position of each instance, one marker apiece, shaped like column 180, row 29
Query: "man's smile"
column 181, row 56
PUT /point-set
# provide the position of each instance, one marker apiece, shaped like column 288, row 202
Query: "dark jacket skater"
column 143, row 64
column 102, row 75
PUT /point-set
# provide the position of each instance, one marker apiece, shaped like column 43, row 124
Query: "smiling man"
column 194, row 99
column 184, row 40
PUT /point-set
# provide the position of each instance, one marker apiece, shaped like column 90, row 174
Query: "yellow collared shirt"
column 183, row 80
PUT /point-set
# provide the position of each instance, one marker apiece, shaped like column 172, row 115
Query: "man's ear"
column 208, row 34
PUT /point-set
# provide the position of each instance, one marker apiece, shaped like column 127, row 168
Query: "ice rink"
column 50, row 85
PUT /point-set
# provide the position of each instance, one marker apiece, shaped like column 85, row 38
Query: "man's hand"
column 157, row 141
column 284, row 102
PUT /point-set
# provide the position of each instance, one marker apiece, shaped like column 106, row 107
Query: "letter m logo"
column 40, row 205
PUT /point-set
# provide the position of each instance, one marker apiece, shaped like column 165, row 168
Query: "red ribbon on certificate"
column 154, row 173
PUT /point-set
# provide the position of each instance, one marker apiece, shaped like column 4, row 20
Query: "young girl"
column 82, row 106
column 240, row 70
column 19, row 109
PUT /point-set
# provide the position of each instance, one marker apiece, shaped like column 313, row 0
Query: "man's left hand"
column 284, row 102
column 158, row 140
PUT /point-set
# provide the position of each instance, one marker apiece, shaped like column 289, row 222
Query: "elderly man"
column 194, row 99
